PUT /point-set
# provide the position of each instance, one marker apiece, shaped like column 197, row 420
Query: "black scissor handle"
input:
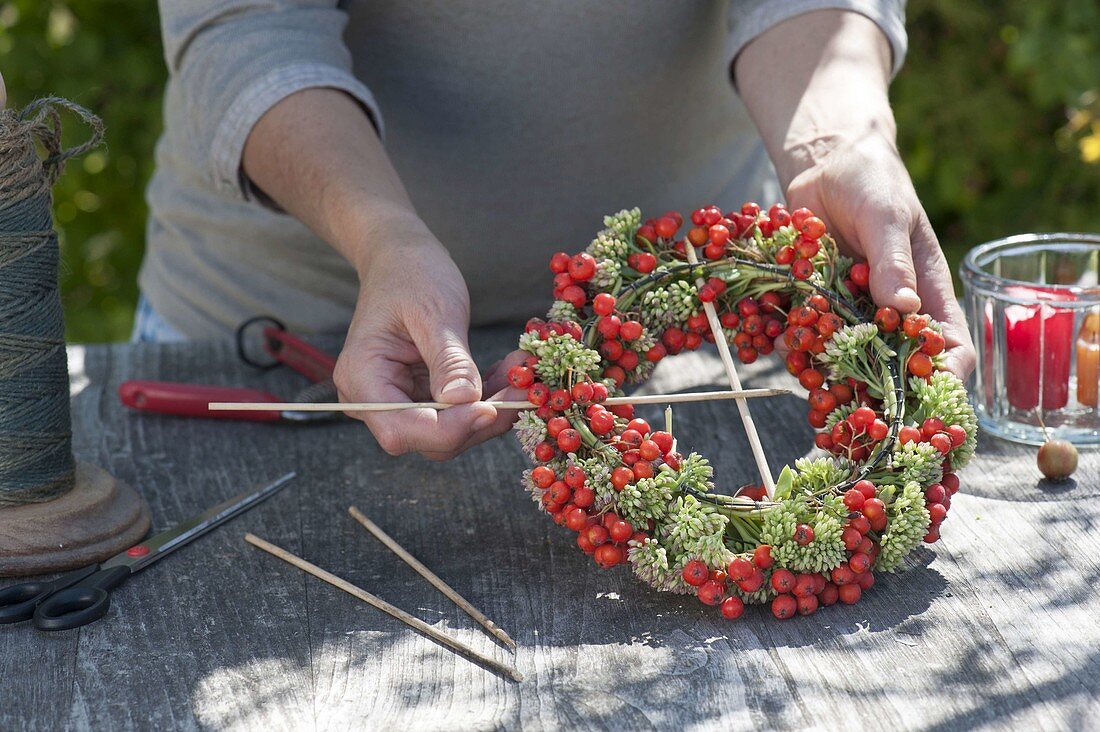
column 18, row 602
column 84, row 602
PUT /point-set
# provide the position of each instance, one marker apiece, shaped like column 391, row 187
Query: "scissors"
column 81, row 596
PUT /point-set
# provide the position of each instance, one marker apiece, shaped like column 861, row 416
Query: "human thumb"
column 885, row 239
column 453, row 375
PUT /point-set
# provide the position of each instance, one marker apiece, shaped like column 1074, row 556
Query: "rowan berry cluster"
column 894, row 426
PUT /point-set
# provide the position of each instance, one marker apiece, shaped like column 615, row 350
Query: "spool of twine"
column 36, row 459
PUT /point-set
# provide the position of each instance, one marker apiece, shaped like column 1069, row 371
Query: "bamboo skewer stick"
column 697, row 396
column 384, row 606
column 429, row 575
column 735, row 382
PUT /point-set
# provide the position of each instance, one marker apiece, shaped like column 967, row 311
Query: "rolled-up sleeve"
column 749, row 18
column 232, row 60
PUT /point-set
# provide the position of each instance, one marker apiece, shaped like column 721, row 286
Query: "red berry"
column 908, row 434
column 937, row 512
column 538, row 393
column 574, row 296
column 555, row 425
column 695, row 573
column 597, row 535
column 666, row 227
column 878, row 430
column 802, row 269
column 860, row 274
column 560, row 400
column 859, row 563
column 849, row 594
column 807, row 248
column 762, row 556
column 582, row 392
column 783, row 580
column 649, row 450
column 583, row 497
column 740, row 569
column 873, row 508
column 602, row 422
column 785, row 255
column 950, row 482
column 866, row 581
column 544, row 452
column 805, row 586
column 932, row 536
column 957, row 433
column 559, row 262
column 609, row 326
column 803, row 534
column 935, row 493
column 630, row 330
column 866, row 487
column 608, row 555
column 582, row 267
column 829, row 595
column 621, row 531
column 521, row 376
column 931, row 426
column 753, row 583
column 569, row 440
column 784, row 606
column 711, row 592
column 732, row 607
column 941, row 442
column 542, row 476
column 646, row 263
column 799, row 216
column 603, row 304
column 807, row 605
column 663, row 440
column 920, row 364
column 862, row 418
column 842, row 575
column 853, row 499
column 850, row 536
column 621, row 476
column 887, row 319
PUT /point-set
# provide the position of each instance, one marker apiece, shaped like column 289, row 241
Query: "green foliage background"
column 997, row 109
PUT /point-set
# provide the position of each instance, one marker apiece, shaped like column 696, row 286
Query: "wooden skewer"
column 384, row 606
column 429, row 575
column 696, row 396
column 735, row 384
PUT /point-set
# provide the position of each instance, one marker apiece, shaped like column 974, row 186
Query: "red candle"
column 1039, row 342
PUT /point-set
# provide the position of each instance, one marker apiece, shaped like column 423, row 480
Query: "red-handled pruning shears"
column 284, row 348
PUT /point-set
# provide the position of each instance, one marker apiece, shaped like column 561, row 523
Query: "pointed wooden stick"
column 735, row 383
column 429, row 575
column 415, row 622
column 695, row 396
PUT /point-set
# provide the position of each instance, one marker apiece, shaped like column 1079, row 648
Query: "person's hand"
column 407, row 342
column 860, row 188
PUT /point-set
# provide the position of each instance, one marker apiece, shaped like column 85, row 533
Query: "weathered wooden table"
column 996, row 628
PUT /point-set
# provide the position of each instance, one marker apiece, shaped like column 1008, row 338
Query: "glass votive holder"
column 1033, row 303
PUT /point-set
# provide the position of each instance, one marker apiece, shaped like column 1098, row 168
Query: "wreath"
column 894, row 427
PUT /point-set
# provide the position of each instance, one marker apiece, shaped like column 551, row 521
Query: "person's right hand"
column 408, row 342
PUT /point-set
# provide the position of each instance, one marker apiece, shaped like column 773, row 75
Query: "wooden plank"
column 995, row 628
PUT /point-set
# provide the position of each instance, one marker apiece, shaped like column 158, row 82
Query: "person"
column 299, row 133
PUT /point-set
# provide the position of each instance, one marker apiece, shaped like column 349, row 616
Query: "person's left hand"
column 860, row 188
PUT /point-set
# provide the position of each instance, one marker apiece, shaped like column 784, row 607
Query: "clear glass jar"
column 1033, row 303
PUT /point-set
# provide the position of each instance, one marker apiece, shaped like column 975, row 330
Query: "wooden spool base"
column 97, row 519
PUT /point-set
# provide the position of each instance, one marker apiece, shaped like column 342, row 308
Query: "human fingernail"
column 908, row 293
column 457, row 385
